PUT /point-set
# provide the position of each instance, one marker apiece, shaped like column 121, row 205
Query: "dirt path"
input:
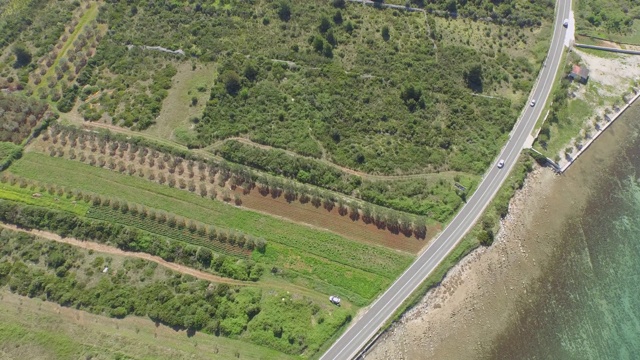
column 206, row 154
column 342, row 168
column 88, row 245
column 114, row 251
column 324, row 151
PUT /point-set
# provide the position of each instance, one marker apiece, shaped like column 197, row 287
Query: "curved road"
column 364, row 329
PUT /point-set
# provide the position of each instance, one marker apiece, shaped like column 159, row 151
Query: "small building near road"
column 579, row 73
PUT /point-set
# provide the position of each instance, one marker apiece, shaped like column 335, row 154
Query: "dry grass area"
column 178, row 108
column 612, row 79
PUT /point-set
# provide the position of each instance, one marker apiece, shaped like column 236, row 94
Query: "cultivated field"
column 242, row 187
column 317, row 258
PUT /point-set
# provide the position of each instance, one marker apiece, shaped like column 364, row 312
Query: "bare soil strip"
column 331, row 220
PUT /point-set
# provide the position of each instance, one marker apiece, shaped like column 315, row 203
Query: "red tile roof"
column 576, row 69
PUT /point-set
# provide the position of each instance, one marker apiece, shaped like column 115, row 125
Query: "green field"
column 320, row 258
column 7, row 149
column 45, row 199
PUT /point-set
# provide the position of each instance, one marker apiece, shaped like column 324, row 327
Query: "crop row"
column 176, row 229
column 189, row 171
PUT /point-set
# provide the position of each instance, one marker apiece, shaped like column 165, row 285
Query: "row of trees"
column 558, row 114
column 225, row 236
column 231, row 237
column 125, row 237
column 193, row 174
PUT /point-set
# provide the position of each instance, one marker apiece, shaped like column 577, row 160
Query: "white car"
column 500, row 163
column 565, row 23
column 335, row 300
column 533, row 103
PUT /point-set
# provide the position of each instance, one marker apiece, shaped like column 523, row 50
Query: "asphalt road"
column 365, row 328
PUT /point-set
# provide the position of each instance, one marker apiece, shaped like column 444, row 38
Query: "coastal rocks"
column 478, row 294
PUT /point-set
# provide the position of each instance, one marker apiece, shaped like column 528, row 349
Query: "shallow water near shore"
column 586, row 303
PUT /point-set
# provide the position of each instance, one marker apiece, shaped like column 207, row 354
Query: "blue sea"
column 586, row 305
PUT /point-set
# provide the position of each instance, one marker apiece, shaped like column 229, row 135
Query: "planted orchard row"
column 151, row 160
column 178, row 228
column 155, row 221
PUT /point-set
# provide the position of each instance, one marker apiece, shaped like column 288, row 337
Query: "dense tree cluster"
column 19, row 116
column 278, row 162
column 613, row 16
column 23, row 55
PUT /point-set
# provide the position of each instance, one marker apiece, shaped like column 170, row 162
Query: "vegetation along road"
column 362, row 330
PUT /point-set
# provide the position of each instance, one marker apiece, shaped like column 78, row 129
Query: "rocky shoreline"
column 479, row 294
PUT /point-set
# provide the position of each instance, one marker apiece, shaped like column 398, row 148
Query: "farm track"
column 363, row 175
column 115, row 251
column 89, row 245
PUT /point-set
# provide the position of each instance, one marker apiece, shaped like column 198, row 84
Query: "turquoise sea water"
column 587, row 303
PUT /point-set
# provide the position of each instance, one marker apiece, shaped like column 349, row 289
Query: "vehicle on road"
column 500, row 163
column 565, row 23
column 362, row 330
column 533, row 102
column 335, row 300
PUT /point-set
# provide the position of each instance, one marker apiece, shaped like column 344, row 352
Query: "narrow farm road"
column 88, row 245
column 362, row 331
column 208, row 155
column 366, row 176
